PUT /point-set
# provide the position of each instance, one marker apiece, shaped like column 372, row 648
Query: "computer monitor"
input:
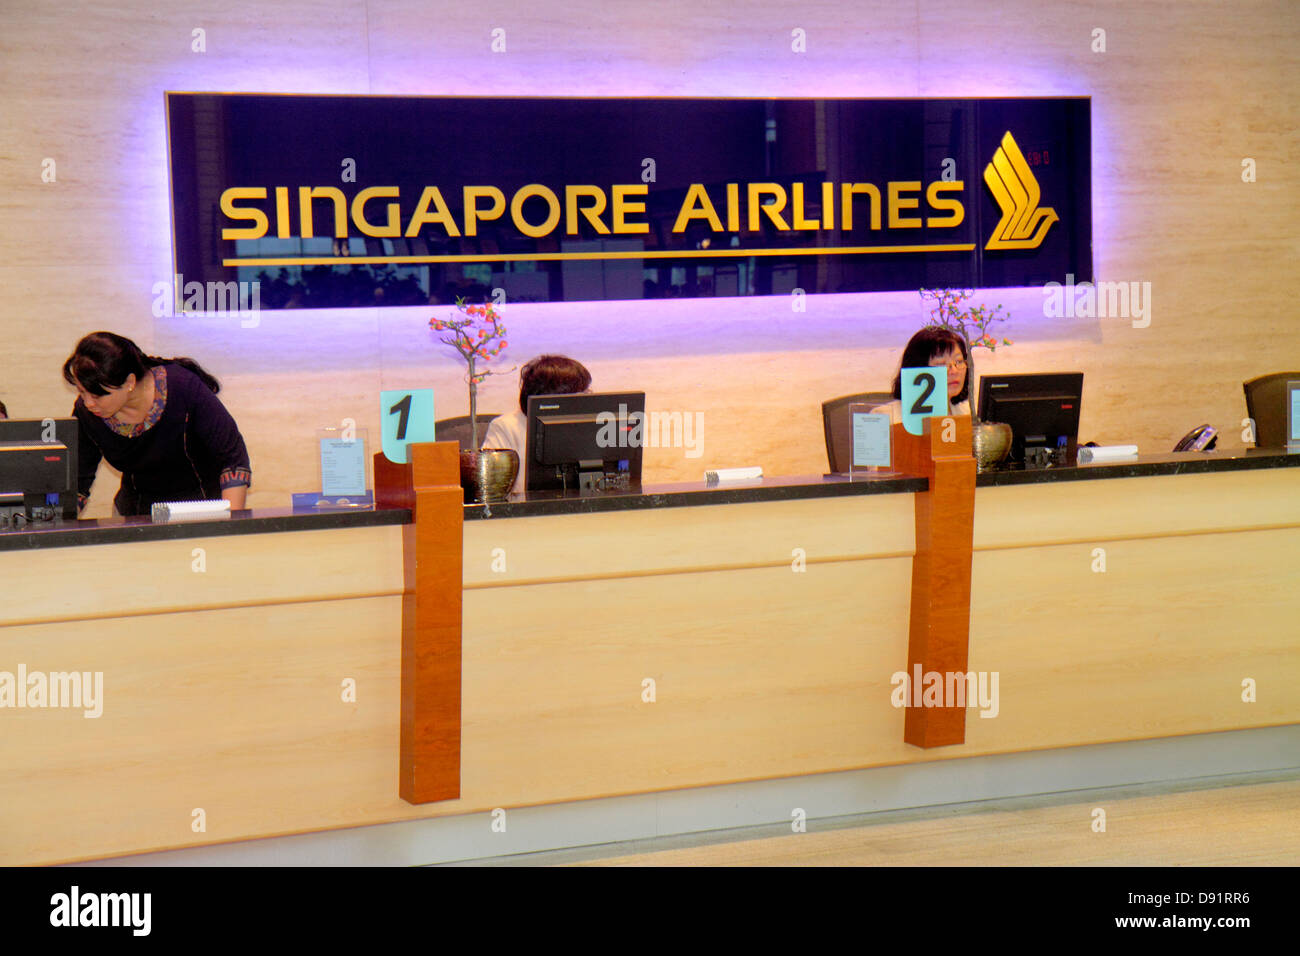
column 38, row 467
column 588, row 442
column 1042, row 410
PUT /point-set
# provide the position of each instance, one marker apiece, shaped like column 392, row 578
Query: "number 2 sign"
column 406, row 417
column 925, row 395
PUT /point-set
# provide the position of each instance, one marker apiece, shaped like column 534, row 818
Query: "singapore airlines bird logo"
column 1023, row 225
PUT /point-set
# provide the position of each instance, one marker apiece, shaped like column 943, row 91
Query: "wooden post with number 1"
column 429, row 484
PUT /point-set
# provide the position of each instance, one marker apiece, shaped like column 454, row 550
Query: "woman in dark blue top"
column 158, row 422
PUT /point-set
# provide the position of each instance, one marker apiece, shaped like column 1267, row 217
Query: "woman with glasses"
column 936, row 347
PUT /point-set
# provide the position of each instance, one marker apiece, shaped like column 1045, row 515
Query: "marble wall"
column 1183, row 93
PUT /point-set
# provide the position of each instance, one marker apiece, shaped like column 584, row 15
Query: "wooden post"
column 429, row 484
column 939, row 629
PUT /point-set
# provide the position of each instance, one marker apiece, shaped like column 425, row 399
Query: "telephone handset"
column 1201, row 438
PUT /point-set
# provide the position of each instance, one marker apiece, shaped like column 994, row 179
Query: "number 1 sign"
column 925, row 395
column 406, row 417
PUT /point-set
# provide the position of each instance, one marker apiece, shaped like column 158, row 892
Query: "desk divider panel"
column 939, row 629
column 429, row 485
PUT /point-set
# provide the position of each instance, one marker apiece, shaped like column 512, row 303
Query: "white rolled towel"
column 732, row 474
column 1107, row 453
column 190, row 510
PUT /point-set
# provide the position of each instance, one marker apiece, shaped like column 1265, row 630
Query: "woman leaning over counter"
column 157, row 421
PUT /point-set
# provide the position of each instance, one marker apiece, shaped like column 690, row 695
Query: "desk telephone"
column 1201, row 438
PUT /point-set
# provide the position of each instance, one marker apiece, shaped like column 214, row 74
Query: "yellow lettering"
column 848, row 191
column 796, row 209
column 392, row 227
column 305, row 197
column 590, row 213
column 937, row 203
column 473, row 214
column 517, row 210
column 828, row 204
column 773, row 210
column 733, row 207
column 697, row 205
column 231, row 211
column 621, row 207
column 440, row 215
column 897, row 202
column 282, row 212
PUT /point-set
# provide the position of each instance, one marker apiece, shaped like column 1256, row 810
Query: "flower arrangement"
column 950, row 312
column 972, row 323
column 478, row 335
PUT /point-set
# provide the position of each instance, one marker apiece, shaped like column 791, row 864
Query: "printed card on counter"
column 871, row 440
column 342, row 466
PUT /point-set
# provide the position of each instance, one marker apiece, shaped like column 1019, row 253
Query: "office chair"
column 835, row 422
column 1266, row 405
column 457, row 429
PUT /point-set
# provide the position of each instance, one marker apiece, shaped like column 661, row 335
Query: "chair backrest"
column 1266, row 405
column 457, row 429
column 835, row 422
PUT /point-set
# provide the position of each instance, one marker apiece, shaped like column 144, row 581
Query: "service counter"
column 682, row 637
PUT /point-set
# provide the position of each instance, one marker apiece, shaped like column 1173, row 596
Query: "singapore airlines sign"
column 585, row 199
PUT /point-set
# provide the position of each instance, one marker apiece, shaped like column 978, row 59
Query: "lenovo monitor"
column 1042, row 410
column 590, row 442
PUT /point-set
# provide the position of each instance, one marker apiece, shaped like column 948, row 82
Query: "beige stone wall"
column 1182, row 94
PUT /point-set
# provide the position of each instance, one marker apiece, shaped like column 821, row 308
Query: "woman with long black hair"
column 940, row 347
column 157, row 421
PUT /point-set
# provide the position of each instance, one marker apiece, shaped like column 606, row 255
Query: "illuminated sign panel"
column 335, row 201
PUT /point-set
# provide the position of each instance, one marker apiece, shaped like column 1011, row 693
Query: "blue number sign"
column 406, row 417
column 925, row 395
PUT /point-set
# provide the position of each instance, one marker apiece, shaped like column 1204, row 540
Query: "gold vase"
column 488, row 474
column 990, row 441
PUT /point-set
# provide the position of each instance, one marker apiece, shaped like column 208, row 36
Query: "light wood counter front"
column 770, row 630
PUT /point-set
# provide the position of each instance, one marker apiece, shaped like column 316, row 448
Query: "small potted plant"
column 479, row 336
column 992, row 441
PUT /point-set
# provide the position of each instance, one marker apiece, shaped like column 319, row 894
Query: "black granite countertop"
column 64, row 534
column 697, row 493
column 825, row 486
column 1144, row 466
